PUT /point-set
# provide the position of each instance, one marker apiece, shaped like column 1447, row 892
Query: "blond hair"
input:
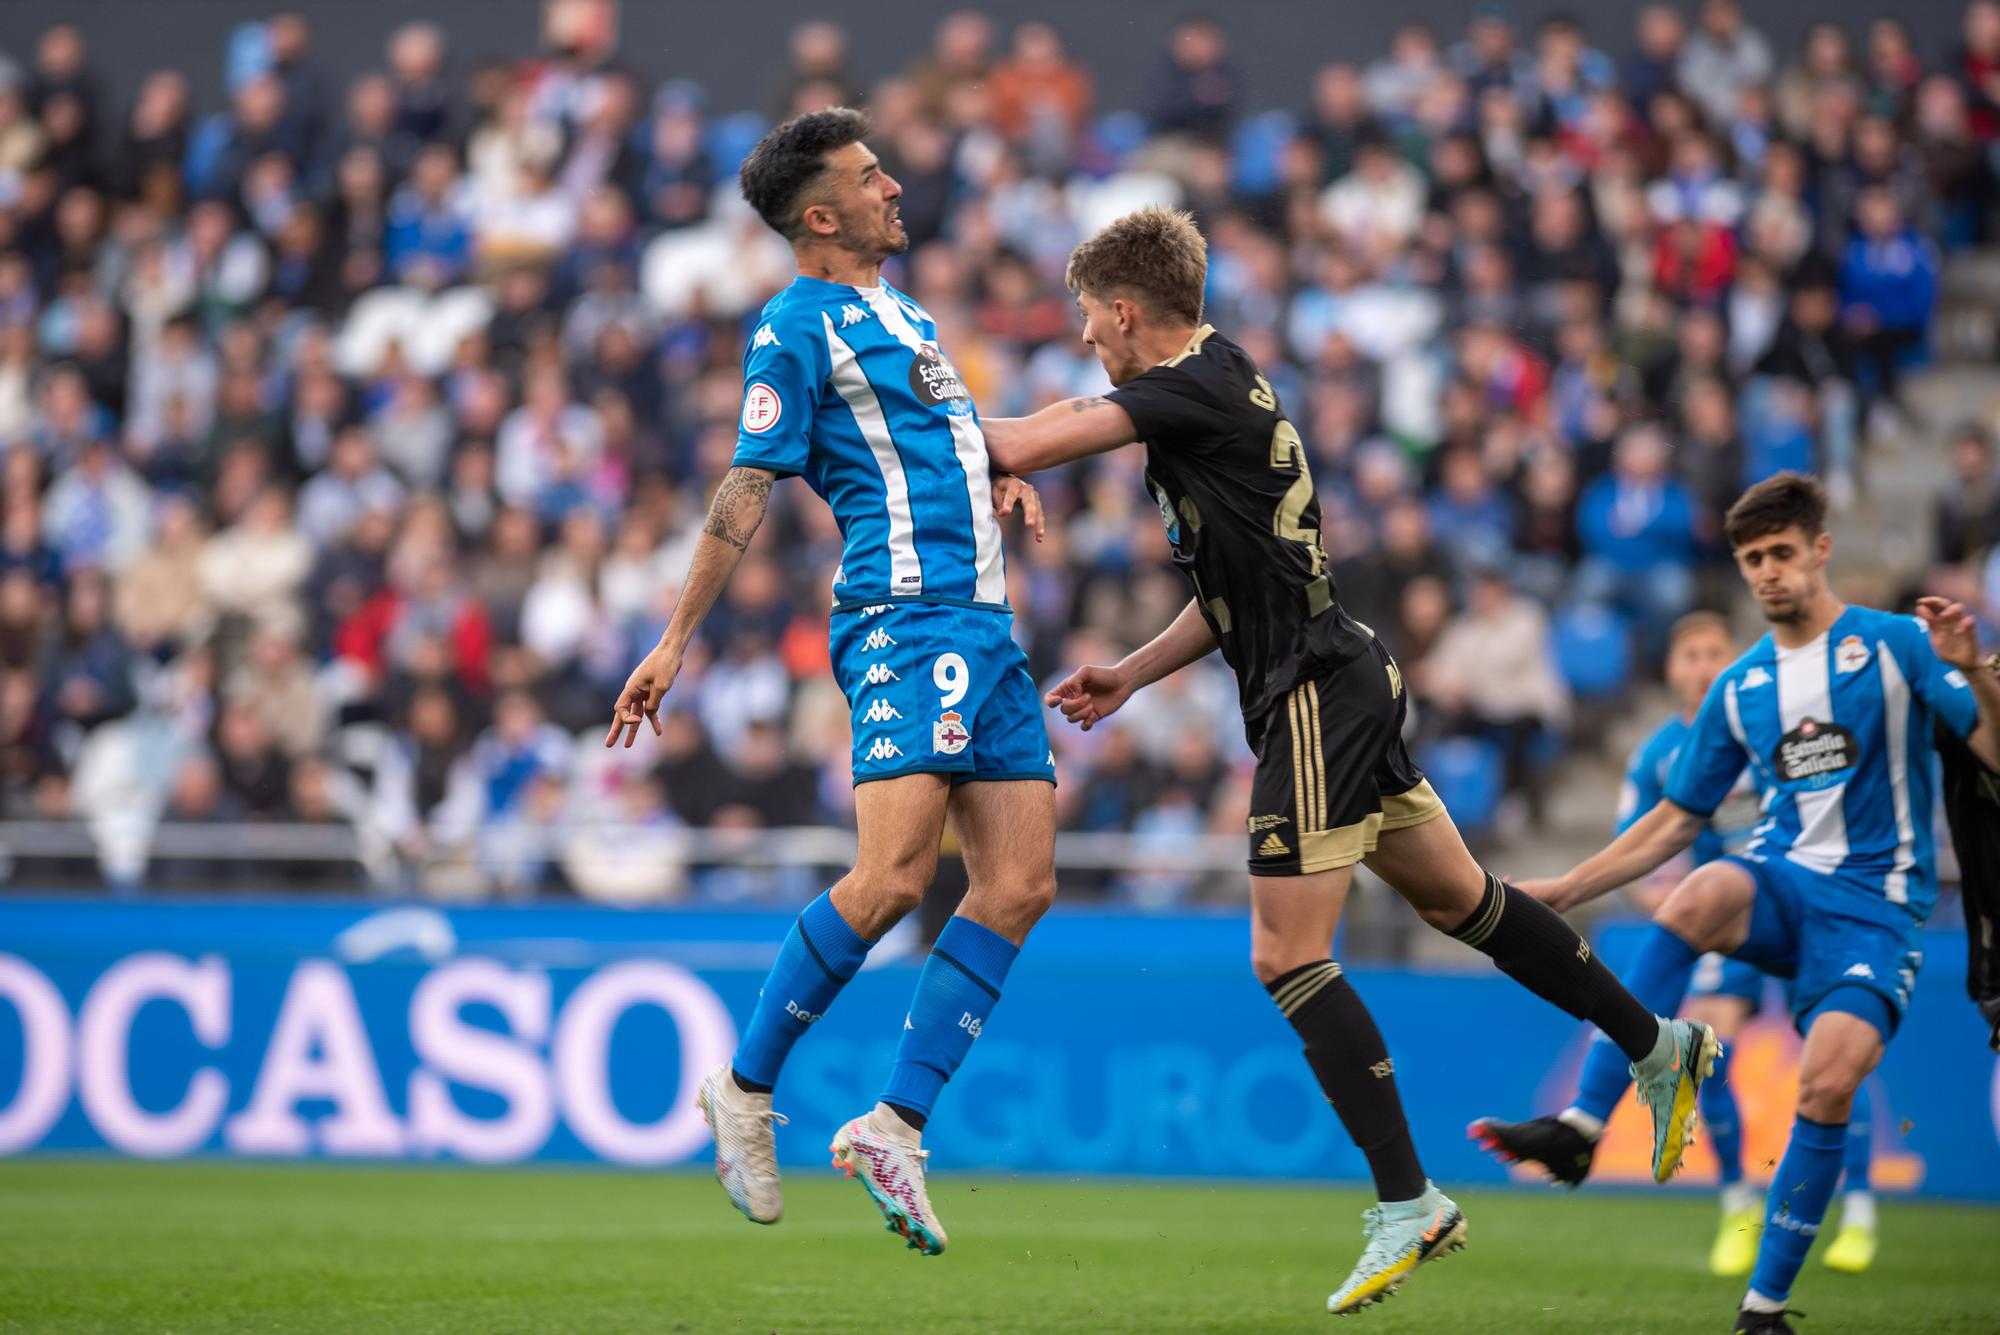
column 1153, row 254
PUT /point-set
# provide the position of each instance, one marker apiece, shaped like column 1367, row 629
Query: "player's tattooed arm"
column 739, row 506
column 733, row 518
column 1069, row 429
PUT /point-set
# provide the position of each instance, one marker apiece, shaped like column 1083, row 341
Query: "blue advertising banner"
column 1124, row 1045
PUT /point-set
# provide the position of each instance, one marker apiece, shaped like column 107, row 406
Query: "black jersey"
column 1972, row 809
column 1230, row 477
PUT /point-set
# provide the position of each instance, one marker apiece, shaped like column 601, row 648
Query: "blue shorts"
column 1825, row 935
column 1717, row 975
column 938, row 689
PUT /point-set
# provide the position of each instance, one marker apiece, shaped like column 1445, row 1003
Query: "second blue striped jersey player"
column 1831, row 713
column 847, row 388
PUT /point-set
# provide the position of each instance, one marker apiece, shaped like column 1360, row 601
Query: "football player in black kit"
column 1323, row 708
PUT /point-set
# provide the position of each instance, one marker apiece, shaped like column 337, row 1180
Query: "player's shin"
column 1534, row 946
column 1799, row 1196
column 819, row 955
column 1347, row 1054
column 956, row 992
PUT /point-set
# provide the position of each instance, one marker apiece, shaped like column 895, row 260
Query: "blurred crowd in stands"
column 357, row 436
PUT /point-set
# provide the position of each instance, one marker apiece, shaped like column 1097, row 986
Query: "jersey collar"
column 1192, row 348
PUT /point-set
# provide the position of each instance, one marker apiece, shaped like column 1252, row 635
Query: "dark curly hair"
column 788, row 162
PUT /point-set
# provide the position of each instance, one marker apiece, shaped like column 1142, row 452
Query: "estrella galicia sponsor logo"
column 1815, row 754
column 801, row 1014
column 935, row 380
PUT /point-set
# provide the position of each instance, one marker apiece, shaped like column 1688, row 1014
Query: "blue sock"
column 955, row 993
column 1860, row 1153
column 819, row 955
column 1799, row 1197
column 1659, row 978
column 1725, row 1129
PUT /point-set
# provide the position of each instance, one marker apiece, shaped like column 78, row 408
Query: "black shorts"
column 1332, row 770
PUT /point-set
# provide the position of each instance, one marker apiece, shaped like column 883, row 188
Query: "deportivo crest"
column 881, row 712
column 935, row 380
column 879, row 673
column 878, row 639
column 948, row 734
column 1850, row 655
column 765, row 337
column 852, row 315
column 1815, row 754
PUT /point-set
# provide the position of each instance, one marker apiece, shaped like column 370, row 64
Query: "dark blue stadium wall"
column 737, row 49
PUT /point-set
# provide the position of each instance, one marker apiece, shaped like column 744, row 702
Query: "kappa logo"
column 1272, row 847
column 879, row 673
column 875, row 609
column 1051, row 761
column 948, row 734
column 881, row 712
column 884, row 749
column 1859, row 971
column 1755, row 677
column 1850, row 655
column 852, row 315
column 766, row 337
column 878, row 639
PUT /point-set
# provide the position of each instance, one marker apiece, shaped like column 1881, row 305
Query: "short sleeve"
column 1169, row 404
column 1640, row 792
column 1942, row 687
column 781, row 381
column 1711, row 758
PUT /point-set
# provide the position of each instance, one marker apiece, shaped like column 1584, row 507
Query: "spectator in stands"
column 1721, row 57
column 1491, row 674
column 1888, row 290
column 1194, row 91
column 1637, row 526
column 1967, row 511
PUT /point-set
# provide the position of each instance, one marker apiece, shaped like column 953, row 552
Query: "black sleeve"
column 1172, row 407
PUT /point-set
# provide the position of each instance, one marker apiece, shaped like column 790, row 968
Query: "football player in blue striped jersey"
column 844, row 385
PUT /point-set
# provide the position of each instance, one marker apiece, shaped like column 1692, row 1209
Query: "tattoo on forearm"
column 1085, row 405
column 738, row 507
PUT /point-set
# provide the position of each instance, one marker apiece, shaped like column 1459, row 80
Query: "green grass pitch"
column 191, row 1247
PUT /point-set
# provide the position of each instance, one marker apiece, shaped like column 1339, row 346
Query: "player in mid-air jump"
column 1832, row 712
column 1323, row 705
column 1725, row 994
column 844, row 385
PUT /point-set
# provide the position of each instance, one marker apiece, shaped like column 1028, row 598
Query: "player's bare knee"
column 1827, row 1095
column 1272, row 959
column 1012, row 907
column 1688, row 915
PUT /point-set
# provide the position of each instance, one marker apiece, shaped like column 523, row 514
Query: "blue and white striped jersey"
column 1837, row 734
column 846, row 387
column 1728, row 829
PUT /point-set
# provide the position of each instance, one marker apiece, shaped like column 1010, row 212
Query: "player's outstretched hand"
column 1551, row 890
column 1090, row 695
column 644, row 690
column 1954, row 634
column 1010, row 491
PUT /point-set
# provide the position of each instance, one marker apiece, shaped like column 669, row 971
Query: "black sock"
column 1346, row 1052
column 910, row 1115
column 1534, row 946
column 748, row 1086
